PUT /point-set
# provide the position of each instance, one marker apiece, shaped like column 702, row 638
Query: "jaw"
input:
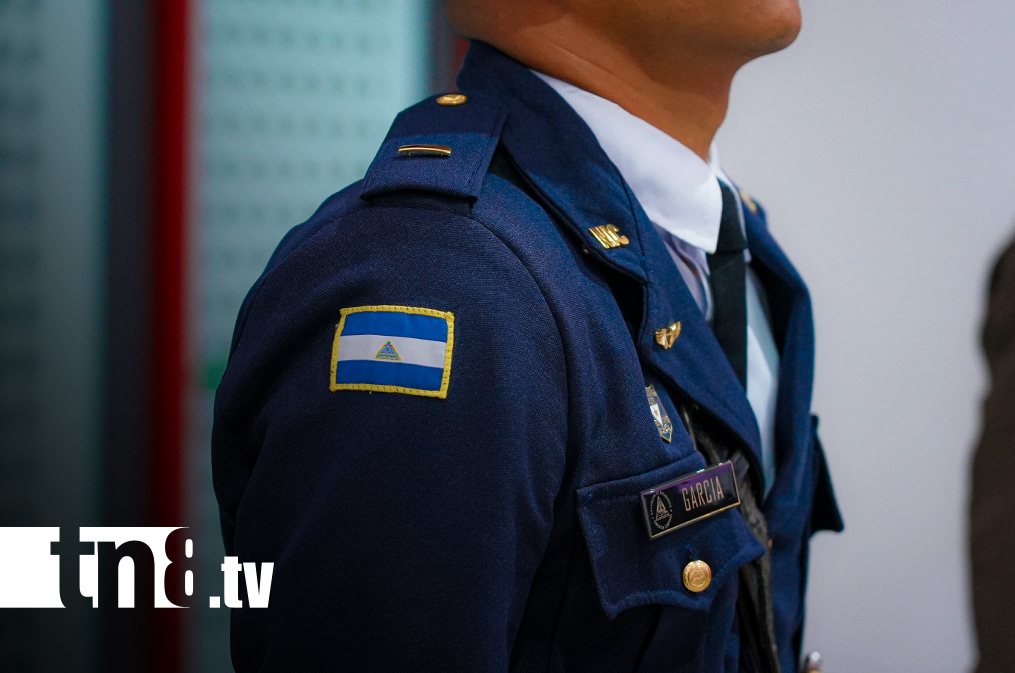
column 669, row 62
column 723, row 31
column 708, row 34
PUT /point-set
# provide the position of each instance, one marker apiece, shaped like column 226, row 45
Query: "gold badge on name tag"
column 662, row 419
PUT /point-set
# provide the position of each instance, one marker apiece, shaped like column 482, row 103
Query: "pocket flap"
column 632, row 570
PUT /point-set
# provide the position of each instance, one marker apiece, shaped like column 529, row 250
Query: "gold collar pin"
column 749, row 202
column 609, row 236
column 667, row 336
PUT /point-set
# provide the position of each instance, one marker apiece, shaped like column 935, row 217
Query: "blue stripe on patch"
column 389, row 374
column 396, row 324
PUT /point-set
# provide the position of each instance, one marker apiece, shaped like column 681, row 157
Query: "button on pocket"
column 697, row 576
column 632, row 570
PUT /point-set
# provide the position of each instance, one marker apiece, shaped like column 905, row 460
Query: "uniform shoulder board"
column 443, row 144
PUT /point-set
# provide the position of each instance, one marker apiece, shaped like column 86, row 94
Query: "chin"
column 778, row 29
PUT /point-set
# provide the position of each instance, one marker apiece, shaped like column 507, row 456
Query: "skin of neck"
column 675, row 77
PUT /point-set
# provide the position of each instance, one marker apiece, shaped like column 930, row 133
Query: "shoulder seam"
column 241, row 326
column 242, row 319
column 542, row 293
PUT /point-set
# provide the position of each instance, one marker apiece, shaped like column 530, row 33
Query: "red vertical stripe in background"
column 458, row 50
column 171, row 122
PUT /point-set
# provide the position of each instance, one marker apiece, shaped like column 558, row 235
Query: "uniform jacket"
column 499, row 527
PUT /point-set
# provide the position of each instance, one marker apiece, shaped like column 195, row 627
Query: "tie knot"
column 731, row 234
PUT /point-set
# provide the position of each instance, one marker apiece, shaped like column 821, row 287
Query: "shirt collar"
column 677, row 189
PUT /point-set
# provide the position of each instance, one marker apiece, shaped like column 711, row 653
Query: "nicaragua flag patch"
column 393, row 349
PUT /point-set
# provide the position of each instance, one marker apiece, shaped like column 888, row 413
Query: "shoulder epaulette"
column 443, row 144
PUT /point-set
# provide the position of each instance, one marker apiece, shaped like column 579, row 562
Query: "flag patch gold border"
column 441, row 393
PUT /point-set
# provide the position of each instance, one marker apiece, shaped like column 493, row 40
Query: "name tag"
column 690, row 498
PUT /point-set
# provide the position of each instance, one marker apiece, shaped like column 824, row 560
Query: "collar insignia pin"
column 663, row 423
column 749, row 202
column 609, row 236
column 667, row 336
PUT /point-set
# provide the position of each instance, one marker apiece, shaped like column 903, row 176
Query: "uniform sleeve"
column 405, row 529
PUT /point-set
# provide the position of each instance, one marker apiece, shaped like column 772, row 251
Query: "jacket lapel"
column 562, row 161
column 792, row 324
column 696, row 363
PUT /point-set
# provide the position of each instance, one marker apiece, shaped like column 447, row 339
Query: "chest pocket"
column 632, row 570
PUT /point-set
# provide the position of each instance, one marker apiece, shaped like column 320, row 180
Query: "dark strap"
column 755, row 601
column 758, row 649
column 728, row 280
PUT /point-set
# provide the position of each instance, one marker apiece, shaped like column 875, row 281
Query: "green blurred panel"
column 52, row 87
column 294, row 98
column 298, row 95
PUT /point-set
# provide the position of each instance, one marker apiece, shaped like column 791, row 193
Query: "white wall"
column 883, row 146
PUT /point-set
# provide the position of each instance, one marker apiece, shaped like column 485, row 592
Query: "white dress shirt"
column 680, row 194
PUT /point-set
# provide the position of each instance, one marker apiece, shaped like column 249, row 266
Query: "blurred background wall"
column 883, row 145
column 153, row 152
column 52, row 111
column 293, row 99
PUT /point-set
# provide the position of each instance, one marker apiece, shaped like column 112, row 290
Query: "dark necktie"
column 728, row 280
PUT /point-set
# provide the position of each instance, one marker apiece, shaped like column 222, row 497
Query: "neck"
column 679, row 94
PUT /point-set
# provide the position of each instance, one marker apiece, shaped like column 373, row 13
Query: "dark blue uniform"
column 482, row 512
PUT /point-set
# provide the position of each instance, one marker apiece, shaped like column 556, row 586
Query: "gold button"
column 667, row 336
column 697, row 576
column 452, row 99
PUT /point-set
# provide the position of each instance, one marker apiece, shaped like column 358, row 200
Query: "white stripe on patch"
column 411, row 351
